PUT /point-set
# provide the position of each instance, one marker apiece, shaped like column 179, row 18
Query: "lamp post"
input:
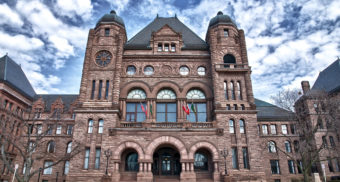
column 108, row 154
column 40, row 169
column 224, row 153
column 56, row 179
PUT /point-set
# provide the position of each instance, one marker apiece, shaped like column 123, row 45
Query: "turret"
column 103, row 57
column 230, row 69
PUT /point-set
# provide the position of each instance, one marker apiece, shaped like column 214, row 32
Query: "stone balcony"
column 232, row 67
column 167, row 124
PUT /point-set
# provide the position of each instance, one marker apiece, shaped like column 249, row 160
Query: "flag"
column 143, row 109
column 151, row 109
column 186, row 109
column 193, row 108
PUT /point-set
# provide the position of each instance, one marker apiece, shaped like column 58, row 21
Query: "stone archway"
column 207, row 145
column 125, row 145
column 166, row 140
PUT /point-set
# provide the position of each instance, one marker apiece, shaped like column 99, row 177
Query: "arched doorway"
column 129, row 165
column 166, row 162
column 203, row 165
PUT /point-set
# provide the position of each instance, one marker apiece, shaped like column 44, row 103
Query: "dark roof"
column 221, row 19
column 329, row 79
column 267, row 111
column 12, row 74
column 111, row 18
column 49, row 99
column 191, row 41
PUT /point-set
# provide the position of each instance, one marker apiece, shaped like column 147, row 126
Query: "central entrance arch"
column 166, row 162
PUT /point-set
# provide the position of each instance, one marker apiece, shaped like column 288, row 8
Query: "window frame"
column 242, row 126
column 100, row 126
column 97, row 158
column 264, row 127
column 273, row 126
column 58, row 129
column 284, row 129
column 231, row 126
column 49, row 170
column 90, row 126
column 277, row 166
column 136, row 111
column 86, row 158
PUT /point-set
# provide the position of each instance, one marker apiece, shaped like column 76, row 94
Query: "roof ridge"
column 191, row 31
column 132, row 38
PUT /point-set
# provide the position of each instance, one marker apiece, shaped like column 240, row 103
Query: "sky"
column 287, row 40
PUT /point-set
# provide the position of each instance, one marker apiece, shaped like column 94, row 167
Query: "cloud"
column 59, row 63
column 9, row 17
column 119, row 5
column 71, row 8
column 19, row 42
column 62, row 45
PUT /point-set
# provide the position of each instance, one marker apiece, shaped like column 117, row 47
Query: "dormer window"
column 107, row 31
column 173, row 47
column 160, row 48
column 166, row 47
column 226, row 32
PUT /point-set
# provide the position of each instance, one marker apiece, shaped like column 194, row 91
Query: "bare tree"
column 315, row 117
column 25, row 139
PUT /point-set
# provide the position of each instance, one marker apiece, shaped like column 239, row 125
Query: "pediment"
column 166, row 30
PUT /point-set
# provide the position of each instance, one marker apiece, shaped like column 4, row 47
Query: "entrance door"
column 166, row 162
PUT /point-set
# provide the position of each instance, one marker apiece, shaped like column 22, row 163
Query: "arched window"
column 131, row 162
column 242, row 126
column 228, row 59
column 166, row 94
column 288, row 146
column 201, row 162
column 166, row 106
column 239, row 92
column 69, row 147
column 51, row 147
column 90, row 126
column 100, row 126
column 232, row 90
column 136, row 109
column 225, row 87
column 231, row 126
column 271, row 147
column 198, row 106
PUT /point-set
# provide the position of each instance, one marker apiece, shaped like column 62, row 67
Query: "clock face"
column 103, row 58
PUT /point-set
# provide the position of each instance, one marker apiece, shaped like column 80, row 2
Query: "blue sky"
column 288, row 41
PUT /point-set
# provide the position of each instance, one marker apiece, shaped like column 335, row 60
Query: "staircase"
column 166, row 178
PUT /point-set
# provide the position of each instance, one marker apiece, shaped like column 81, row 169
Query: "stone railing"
column 231, row 67
column 167, row 125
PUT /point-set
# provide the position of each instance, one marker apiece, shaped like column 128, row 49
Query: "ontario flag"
column 145, row 110
column 186, row 109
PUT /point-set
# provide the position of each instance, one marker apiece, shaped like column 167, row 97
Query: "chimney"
column 305, row 86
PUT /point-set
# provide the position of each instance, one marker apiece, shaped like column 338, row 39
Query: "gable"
column 141, row 40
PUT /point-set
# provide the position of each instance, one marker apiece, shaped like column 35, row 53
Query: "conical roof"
column 112, row 17
column 220, row 18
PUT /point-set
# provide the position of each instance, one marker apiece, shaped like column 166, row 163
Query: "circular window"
column 131, row 70
column 103, row 58
column 183, row 70
column 201, row 70
column 148, row 70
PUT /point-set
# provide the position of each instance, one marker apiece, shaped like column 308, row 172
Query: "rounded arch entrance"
column 170, row 140
column 126, row 145
column 166, row 154
column 204, row 155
